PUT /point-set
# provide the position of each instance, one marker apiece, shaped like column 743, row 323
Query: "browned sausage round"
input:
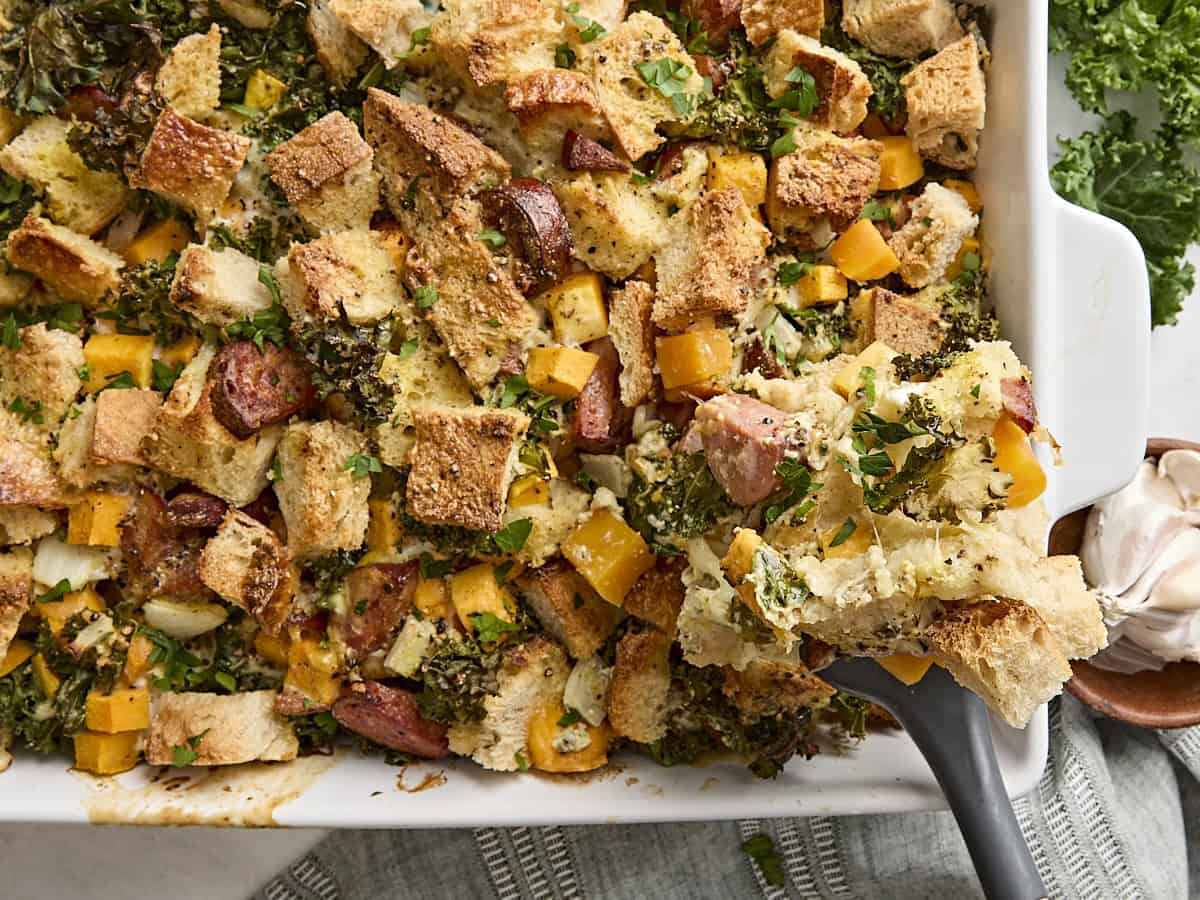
column 378, row 597
column 599, row 417
column 528, row 213
column 195, row 509
column 389, row 716
column 1016, row 394
column 582, row 154
column 253, row 388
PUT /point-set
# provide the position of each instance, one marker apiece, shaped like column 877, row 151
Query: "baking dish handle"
column 1105, row 296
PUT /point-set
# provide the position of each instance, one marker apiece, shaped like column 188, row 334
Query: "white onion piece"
column 1182, row 467
column 56, row 561
column 182, row 619
column 586, row 691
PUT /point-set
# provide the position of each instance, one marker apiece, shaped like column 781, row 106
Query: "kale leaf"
column 1146, row 186
column 887, row 98
column 346, row 359
column 143, row 305
column 16, row 199
column 684, row 502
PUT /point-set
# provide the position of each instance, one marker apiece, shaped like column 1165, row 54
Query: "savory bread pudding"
column 513, row 380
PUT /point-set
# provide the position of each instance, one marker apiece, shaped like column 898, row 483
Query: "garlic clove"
column 1182, row 548
column 1178, row 590
column 1182, row 469
column 1126, row 530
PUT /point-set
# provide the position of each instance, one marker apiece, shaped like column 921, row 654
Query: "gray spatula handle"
column 958, row 747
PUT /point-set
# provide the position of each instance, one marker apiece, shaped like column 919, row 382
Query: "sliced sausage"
column 253, row 388
column 1016, row 395
column 599, row 417
column 160, row 558
column 195, row 509
column 718, row 17
column 378, row 597
column 582, row 154
column 744, row 440
column 389, row 716
column 757, row 357
column 529, row 215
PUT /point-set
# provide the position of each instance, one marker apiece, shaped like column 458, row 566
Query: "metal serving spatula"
column 949, row 725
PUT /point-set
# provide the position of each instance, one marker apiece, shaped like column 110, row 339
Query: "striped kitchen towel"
column 1116, row 815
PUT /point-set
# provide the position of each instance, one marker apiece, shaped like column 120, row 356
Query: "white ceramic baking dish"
column 1072, row 295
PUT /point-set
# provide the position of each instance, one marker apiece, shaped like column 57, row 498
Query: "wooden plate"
column 1166, row 699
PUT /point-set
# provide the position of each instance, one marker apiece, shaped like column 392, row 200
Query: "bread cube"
column 354, row 271
column 532, row 675
column 491, row 41
column 190, row 77
column 219, row 287
column 323, row 504
column 930, row 240
column 23, row 524
column 635, row 108
column 386, row 26
column 339, row 50
column 947, row 103
column 247, row 564
column 901, row 28
column 617, row 224
column 189, row 443
column 550, row 102
column 906, row 324
column 413, row 143
column 220, row 730
column 641, row 680
column 767, row 687
column 477, row 310
column 72, row 265
column 76, row 196
column 326, row 173
column 43, row 369
column 821, row 187
column 16, row 593
column 191, row 164
column 763, row 19
column 842, row 87
column 122, row 419
column 462, row 465
column 568, row 609
column 707, row 265
column 559, row 371
column 632, row 333
column 657, row 597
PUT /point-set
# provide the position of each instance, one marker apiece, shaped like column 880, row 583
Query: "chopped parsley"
column 425, row 296
column 362, row 465
column 489, row 628
column 569, row 718
column 761, row 849
column 492, row 238
column 844, row 533
column 183, row 755
column 55, row 593
column 512, row 537
column 28, row 411
column 266, row 325
column 798, row 484
column 163, row 377
column 670, row 78
column 120, row 381
column 589, row 29
column 801, row 98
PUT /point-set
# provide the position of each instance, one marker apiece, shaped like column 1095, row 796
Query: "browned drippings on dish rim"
column 245, row 795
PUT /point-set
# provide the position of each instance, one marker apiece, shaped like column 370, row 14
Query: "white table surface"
column 115, row 863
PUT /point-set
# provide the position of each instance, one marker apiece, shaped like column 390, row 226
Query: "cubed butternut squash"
column 125, row 709
column 969, row 245
column 862, row 254
column 475, row 591
column 272, row 648
column 1014, row 455
column 310, row 671
column 905, row 668
column 900, row 164
column 609, row 554
column 18, row 651
column 108, row 355
column 106, row 754
column 137, row 658
column 544, row 731
column 263, row 90
column 967, row 190
column 158, row 242
column 383, row 525
column 848, row 379
column 559, row 371
column 821, row 285
column 181, row 352
column 433, row 599
column 529, row 490
column 47, row 681
column 577, row 308
column 739, row 558
column 745, row 171
column 58, row 612
column 96, row 520
column 693, row 357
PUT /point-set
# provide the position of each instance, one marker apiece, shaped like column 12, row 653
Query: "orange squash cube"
column 899, row 165
column 577, row 308
column 433, row 599
column 158, row 242
column 529, row 490
column 108, row 355
column 125, row 709
column 106, row 754
column 693, row 357
column 559, row 371
column 96, row 520
column 905, row 668
column 609, row 554
column 862, row 254
column 18, row 651
column 1014, row 455
column 821, row 285
column 310, row 671
column 544, row 731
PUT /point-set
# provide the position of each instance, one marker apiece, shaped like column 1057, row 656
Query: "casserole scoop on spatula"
column 949, row 725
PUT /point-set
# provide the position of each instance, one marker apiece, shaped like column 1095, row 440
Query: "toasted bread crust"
column 190, row 163
column 568, row 609
column 221, row 730
column 247, row 564
column 632, row 333
column 322, row 152
column 123, row 418
column 323, row 504
column 74, row 265
column 637, row 695
column 763, row 19
column 16, row 592
column 769, row 687
column 657, row 597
